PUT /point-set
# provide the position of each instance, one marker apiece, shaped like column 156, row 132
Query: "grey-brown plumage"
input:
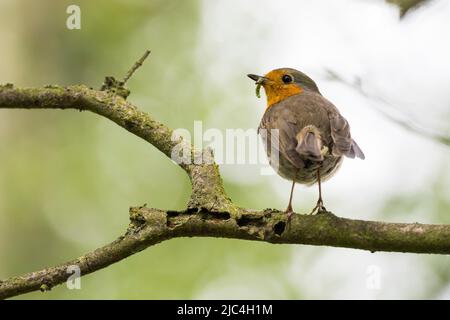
column 312, row 134
column 313, row 137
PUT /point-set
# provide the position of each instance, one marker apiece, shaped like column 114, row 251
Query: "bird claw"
column 319, row 208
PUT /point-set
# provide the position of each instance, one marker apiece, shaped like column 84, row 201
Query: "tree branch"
column 209, row 212
column 151, row 226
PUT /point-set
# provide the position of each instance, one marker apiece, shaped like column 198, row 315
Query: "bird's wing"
column 340, row 132
column 303, row 127
column 343, row 142
column 309, row 129
column 305, row 123
column 333, row 129
column 275, row 122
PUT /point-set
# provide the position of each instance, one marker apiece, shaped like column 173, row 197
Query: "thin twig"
column 135, row 67
column 402, row 120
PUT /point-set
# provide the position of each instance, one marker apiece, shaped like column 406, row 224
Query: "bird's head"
column 280, row 84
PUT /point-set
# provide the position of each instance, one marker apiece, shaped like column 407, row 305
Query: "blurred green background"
column 67, row 178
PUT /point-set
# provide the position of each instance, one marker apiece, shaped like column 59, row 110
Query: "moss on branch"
column 150, row 226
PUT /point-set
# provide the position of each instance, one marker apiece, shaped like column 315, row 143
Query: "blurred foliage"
column 432, row 202
column 406, row 5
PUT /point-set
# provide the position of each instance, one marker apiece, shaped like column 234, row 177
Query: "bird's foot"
column 319, row 208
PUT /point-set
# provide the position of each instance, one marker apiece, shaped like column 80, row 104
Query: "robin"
column 313, row 137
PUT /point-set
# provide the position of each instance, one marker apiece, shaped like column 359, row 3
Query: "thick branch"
column 151, row 226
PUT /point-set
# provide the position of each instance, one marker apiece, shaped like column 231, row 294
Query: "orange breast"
column 277, row 92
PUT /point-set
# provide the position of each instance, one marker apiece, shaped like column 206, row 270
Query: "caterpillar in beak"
column 258, row 89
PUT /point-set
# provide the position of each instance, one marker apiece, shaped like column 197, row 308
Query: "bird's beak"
column 258, row 79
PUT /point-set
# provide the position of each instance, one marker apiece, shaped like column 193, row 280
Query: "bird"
column 305, row 136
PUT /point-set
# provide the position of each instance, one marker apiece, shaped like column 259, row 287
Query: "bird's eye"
column 287, row 78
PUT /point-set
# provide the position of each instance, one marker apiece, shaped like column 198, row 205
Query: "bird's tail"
column 355, row 151
column 309, row 143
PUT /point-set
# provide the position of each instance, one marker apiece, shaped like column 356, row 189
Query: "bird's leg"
column 289, row 210
column 319, row 206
